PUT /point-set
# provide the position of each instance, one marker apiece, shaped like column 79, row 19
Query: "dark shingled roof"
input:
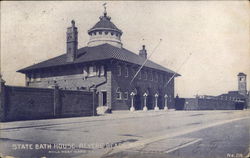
column 100, row 52
column 103, row 24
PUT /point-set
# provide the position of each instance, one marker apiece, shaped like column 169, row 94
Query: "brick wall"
column 142, row 85
column 26, row 103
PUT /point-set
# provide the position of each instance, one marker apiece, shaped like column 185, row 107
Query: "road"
column 172, row 134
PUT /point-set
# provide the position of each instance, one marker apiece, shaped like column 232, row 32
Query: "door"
column 104, row 98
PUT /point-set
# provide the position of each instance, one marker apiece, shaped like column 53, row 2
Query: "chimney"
column 143, row 52
column 72, row 42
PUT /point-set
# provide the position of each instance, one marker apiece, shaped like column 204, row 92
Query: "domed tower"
column 105, row 31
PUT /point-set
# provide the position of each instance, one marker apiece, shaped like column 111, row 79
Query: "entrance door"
column 104, row 98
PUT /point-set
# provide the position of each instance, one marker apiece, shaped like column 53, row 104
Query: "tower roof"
column 104, row 24
column 242, row 74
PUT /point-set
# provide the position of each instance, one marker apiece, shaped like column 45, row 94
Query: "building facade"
column 121, row 81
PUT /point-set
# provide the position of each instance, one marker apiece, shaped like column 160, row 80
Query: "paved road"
column 123, row 134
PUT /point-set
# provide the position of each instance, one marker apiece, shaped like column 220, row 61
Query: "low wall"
column 25, row 103
column 207, row 104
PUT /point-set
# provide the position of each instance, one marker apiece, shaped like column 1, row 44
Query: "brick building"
column 233, row 100
column 107, row 66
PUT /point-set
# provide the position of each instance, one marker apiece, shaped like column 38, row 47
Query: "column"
column 165, row 102
column 95, row 100
column 57, row 106
column 145, row 108
column 156, row 102
column 132, row 108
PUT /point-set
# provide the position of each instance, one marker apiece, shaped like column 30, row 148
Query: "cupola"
column 104, row 31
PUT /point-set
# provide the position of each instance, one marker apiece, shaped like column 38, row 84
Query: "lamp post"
column 166, row 102
column 145, row 108
column 132, row 108
column 156, row 102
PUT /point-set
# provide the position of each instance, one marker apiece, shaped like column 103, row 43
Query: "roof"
column 104, row 24
column 233, row 94
column 96, row 53
column 242, row 74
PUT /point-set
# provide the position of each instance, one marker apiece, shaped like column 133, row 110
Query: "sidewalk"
column 49, row 122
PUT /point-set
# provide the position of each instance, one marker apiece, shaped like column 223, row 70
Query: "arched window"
column 118, row 94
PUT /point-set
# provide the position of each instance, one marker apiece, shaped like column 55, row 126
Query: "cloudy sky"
column 215, row 33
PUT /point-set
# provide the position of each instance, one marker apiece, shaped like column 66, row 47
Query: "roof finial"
column 105, row 11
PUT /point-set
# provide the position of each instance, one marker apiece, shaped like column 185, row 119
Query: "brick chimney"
column 72, row 42
column 143, row 52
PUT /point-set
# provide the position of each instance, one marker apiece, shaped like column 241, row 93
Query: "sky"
column 207, row 42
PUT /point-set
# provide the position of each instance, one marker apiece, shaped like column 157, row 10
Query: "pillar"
column 145, row 108
column 165, row 102
column 156, row 102
column 3, row 106
column 57, row 105
column 132, row 108
column 95, row 100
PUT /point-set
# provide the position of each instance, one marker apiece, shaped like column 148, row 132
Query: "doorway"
column 104, row 98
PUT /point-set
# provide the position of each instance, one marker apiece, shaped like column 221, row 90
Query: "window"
column 126, row 72
column 156, row 77
column 119, row 70
column 150, row 76
column 139, row 75
column 38, row 77
column 28, row 78
column 100, row 32
column 146, row 75
column 92, row 71
column 102, row 71
column 125, row 95
column 32, row 78
column 118, row 94
column 85, row 71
